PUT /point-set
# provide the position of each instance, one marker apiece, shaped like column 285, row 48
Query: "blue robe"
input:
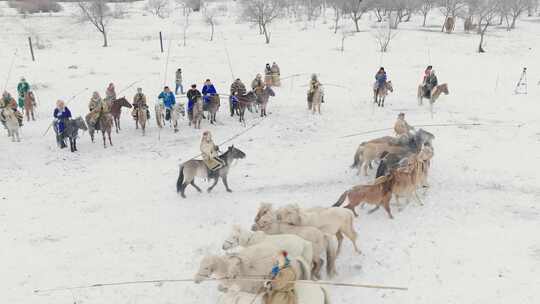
column 61, row 118
column 381, row 79
column 207, row 91
column 168, row 99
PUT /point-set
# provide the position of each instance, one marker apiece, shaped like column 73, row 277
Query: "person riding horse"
column 268, row 75
column 168, row 101
column 9, row 102
column 98, row 107
column 110, row 93
column 139, row 101
column 61, row 115
column 257, row 85
column 429, row 82
column 210, row 152
column 237, row 89
column 192, row 95
column 401, row 127
column 380, row 81
column 275, row 75
column 208, row 91
column 280, row 290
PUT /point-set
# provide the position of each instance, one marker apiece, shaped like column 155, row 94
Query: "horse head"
column 268, row 90
column 236, row 153
column 122, row 101
column 444, row 88
column 79, row 122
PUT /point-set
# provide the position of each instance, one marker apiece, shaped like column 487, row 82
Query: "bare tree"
column 425, row 7
column 98, row 13
column 262, row 13
column 355, row 9
column 511, row 10
column 451, row 9
column 337, row 6
column 384, row 35
column 158, row 8
column 210, row 19
column 486, row 13
column 532, row 7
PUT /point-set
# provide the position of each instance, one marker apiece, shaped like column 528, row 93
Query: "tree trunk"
column 212, row 35
column 444, row 23
column 336, row 21
column 266, row 34
column 514, row 19
column 482, row 34
column 105, row 40
column 425, row 18
column 356, row 24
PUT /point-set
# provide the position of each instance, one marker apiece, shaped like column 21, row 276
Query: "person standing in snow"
column 314, row 86
column 22, row 88
column 61, row 115
column 168, row 101
column 401, row 127
column 208, row 91
column 280, row 290
column 268, row 75
column 179, row 82
column 209, row 152
column 192, row 95
column 275, row 75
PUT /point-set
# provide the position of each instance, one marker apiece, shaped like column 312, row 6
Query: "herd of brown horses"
column 404, row 164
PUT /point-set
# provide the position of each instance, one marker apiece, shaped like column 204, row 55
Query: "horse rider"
column 208, row 91
column 429, row 81
column 97, row 107
column 257, row 85
column 110, row 93
column 238, row 88
column 401, row 127
column 380, row 80
column 314, row 85
column 139, row 101
column 168, row 101
column 275, row 74
column 209, row 152
column 9, row 102
column 268, row 75
column 22, row 88
column 280, row 290
column 178, row 80
column 61, row 115
column 192, row 95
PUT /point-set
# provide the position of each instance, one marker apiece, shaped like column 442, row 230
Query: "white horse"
column 335, row 221
column 247, row 270
column 305, row 294
column 321, row 242
column 293, row 244
column 176, row 111
column 11, row 123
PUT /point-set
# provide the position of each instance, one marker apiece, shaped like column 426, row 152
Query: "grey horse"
column 72, row 131
column 197, row 168
column 265, row 96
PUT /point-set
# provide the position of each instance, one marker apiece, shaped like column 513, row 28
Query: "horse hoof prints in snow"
column 197, row 168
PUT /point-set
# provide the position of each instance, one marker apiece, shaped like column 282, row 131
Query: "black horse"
column 197, row 168
column 71, row 131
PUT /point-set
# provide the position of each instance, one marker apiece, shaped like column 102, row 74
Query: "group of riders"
column 26, row 100
column 429, row 81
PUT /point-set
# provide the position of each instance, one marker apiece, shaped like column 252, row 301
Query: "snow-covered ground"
column 107, row 215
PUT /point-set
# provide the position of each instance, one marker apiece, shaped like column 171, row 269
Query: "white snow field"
column 109, row 215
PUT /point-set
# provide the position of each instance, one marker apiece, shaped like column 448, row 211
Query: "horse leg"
column 339, row 237
column 104, row 141
column 116, row 125
column 195, row 186
column 226, row 183
column 109, row 134
column 71, row 145
column 213, row 185
column 386, row 205
column 75, row 144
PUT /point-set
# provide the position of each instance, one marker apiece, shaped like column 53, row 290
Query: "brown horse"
column 379, row 94
column 435, row 94
column 264, row 97
column 116, row 110
column 197, row 114
column 29, row 104
column 244, row 102
column 380, row 193
column 104, row 123
column 141, row 118
column 212, row 107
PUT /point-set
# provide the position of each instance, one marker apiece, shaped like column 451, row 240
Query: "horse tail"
column 341, row 199
column 330, row 256
column 180, row 181
column 358, row 157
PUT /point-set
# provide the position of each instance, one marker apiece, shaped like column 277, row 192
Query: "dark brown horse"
column 244, row 102
column 212, row 107
column 116, row 110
